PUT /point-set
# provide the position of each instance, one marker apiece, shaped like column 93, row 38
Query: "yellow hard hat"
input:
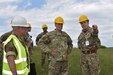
column 59, row 20
column 83, row 18
column 44, row 26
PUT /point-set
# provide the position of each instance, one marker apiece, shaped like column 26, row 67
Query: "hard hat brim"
column 15, row 25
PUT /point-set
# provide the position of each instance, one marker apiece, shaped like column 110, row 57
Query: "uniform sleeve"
column 10, row 50
column 79, row 42
column 96, row 38
column 2, row 39
column 5, row 36
column 95, row 33
column 1, row 54
column 37, row 39
column 70, row 45
column 98, row 43
column 1, row 45
column 44, row 44
column 28, row 41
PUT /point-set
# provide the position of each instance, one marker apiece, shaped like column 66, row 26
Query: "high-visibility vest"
column 21, row 61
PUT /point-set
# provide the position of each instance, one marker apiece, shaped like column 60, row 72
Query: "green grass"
column 105, row 56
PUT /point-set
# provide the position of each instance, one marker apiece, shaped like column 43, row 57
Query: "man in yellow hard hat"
column 43, row 54
column 88, row 43
column 16, row 55
column 58, row 45
column 44, row 28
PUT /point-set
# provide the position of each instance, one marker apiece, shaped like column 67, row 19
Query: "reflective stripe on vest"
column 21, row 61
column 21, row 72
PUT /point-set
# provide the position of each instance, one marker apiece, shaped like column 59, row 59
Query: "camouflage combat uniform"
column 88, row 43
column 39, row 36
column 28, row 41
column 62, row 44
column 2, row 39
column 43, row 54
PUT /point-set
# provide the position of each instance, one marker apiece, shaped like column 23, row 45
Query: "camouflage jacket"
column 39, row 36
column 5, row 36
column 60, row 42
column 28, row 41
column 2, row 39
column 88, row 40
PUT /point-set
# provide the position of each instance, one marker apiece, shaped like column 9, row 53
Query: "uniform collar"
column 85, row 30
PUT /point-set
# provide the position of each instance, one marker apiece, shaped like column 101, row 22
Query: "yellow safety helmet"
column 44, row 26
column 59, row 20
column 83, row 18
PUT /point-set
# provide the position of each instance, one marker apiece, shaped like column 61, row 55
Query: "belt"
column 89, row 52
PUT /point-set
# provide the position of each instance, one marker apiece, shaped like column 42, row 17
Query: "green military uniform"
column 62, row 44
column 43, row 54
column 88, row 43
column 39, row 36
column 2, row 39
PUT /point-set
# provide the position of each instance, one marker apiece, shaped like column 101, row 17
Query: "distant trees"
column 102, row 46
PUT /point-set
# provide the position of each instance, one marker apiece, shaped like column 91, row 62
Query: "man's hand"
column 94, row 27
column 54, row 53
column 95, row 31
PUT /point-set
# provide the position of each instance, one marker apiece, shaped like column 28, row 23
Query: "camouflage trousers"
column 58, row 68
column 43, row 57
column 90, row 64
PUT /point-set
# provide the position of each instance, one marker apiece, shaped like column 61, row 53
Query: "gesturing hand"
column 95, row 27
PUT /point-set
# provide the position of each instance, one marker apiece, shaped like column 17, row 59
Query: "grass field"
column 105, row 56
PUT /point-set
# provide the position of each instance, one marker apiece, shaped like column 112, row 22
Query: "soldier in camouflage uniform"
column 43, row 54
column 58, row 45
column 88, row 43
column 28, row 41
column 2, row 39
column 44, row 28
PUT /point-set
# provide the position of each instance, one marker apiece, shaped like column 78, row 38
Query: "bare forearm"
column 11, row 63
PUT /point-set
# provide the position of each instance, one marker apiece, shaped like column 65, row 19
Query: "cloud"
column 99, row 12
column 8, row 1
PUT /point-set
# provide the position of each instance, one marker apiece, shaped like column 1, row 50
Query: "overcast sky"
column 38, row 12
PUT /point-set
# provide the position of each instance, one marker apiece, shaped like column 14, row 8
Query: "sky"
column 38, row 12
